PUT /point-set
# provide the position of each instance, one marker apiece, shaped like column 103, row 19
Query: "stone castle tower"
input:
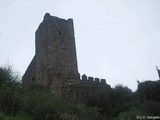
column 54, row 65
column 55, row 56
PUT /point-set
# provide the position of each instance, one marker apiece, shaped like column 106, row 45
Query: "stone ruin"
column 54, row 65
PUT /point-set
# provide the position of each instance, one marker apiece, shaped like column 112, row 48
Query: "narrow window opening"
column 33, row 79
column 60, row 32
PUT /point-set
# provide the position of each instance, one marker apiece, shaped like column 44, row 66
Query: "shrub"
column 150, row 107
column 132, row 114
column 111, row 102
column 149, row 90
column 90, row 113
column 7, row 75
column 45, row 105
column 10, row 102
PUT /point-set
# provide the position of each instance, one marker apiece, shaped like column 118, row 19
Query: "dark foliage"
column 111, row 102
column 7, row 76
column 118, row 103
column 149, row 90
column 10, row 102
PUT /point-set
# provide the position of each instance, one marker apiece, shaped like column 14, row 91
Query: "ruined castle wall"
column 76, row 90
column 55, row 62
column 79, row 90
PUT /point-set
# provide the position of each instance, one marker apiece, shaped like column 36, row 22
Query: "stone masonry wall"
column 79, row 90
column 55, row 50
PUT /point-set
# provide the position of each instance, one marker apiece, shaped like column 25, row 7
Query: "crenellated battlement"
column 92, row 79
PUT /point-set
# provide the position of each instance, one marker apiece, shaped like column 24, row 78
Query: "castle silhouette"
column 54, row 65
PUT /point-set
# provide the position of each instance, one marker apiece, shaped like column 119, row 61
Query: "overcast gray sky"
column 116, row 39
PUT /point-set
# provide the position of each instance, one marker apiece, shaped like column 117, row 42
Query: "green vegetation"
column 118, row 103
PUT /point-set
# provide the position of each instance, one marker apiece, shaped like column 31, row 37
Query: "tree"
column 10, row 102
column 7, row 75
column 149, row 90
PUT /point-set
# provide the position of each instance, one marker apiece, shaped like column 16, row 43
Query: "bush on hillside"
column 10, row 102
column 149, row 90
column 132, row 114
column 111, row 102
column 7, row 75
